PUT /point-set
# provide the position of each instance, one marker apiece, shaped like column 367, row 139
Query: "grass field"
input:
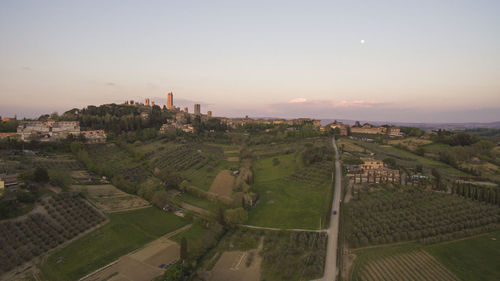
column 286, row 201
column 199, row 202
column 289, row 204
column 264, row 170
column 195, row 232
column 471, row 259
column 124, row 233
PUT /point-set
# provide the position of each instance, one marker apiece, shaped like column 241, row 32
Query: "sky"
column 409, row 61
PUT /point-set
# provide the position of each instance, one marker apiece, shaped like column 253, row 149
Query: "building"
column 153, row 103
column 371, row 164
column 170, row 101
column 94, row 136
column 369, row 129
column 47, row 130
column 186, row 109
column 146, row 102
column 394, row 132
column 2, row 185
column 7, row 119
column 197, row 109
column 209, row 114
column 372, row 171
column 342, row 128
column 144, row 115
column 7, row 135
column 181, row 117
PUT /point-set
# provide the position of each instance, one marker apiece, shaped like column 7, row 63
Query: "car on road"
column 334, row 212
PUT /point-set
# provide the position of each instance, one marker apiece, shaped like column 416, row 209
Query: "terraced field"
column 414, row 265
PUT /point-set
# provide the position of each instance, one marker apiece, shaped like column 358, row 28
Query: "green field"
column 195, row 232
column 471, row 259
column 264, row 169
column 289, row 204
column 124, row 233
column 287, row 196
column 199, row 202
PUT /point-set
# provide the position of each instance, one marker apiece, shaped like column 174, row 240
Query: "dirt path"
column 195, row 209
column 283, row 229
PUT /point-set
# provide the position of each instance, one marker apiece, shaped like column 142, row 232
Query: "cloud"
column 298, row 100
column 111, row 84
column 356, row 103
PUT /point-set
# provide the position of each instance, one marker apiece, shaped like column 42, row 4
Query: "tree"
column 41, row 175
column 236, row 216
column 437, row 176
column 390, row 162
column 160, row 198
column 184, row 249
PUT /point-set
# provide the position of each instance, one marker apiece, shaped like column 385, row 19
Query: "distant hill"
column 424, row 126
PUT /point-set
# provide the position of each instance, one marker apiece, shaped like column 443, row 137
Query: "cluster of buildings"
column 372, row 171
column 7, row 119
column 374, row 130
column 236, row 122
column 366, row 129
column 51, row 130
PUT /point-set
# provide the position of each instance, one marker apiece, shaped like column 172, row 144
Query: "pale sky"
column 425, row 61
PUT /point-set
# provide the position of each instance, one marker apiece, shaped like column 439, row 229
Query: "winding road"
column 333, row 230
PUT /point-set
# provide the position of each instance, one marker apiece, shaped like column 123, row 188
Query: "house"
column 47, row 130
column 371, row 164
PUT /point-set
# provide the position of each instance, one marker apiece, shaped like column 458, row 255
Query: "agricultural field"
column 282, row 255
column 108, row 198
column 412, row 143
column 58, row 219
column 392, row 216
column 291, row 193
column 401, row 262
column 124, row 233
column 144, row 264
column 57, row 163
column 350, row 146
column 223, row 184
column 127, row 170
column 471, row 259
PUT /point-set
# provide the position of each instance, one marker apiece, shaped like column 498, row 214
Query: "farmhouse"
column 371, row 164
column 369, row 130
column 47, row 130
column 373, row 171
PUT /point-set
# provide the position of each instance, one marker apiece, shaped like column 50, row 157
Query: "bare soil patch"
column 143, row 264
column 223, row 183
column 232, row 266
column 108, row 198
column 233, row 159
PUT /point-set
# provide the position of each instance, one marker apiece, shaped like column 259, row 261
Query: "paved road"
column 333, row 230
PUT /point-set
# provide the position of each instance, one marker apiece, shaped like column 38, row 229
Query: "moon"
column 362, row 41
